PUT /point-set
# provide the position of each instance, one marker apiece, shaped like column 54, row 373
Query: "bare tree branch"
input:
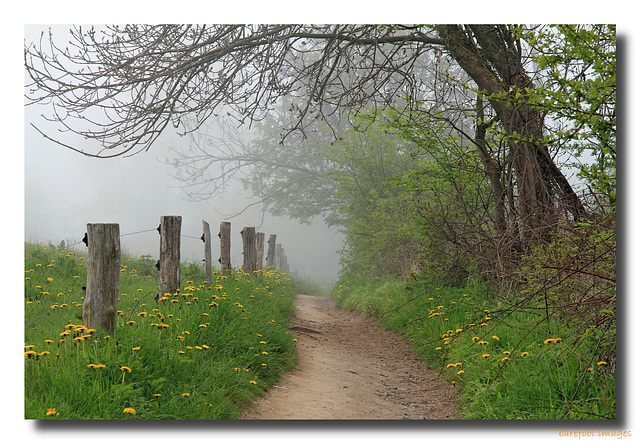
column 123, row 86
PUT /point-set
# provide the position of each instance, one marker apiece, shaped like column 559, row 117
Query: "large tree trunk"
column 492, row 170
column 490, row 55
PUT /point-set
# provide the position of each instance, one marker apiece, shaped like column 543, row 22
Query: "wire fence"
column 71, row 247
column 84, row 241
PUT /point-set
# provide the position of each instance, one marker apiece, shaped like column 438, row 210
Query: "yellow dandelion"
column 52, row 412
column 129, row 410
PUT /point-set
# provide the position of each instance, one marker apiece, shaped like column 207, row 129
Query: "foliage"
column 452, row 197
column 509, row 361
column 291, row 176
column 204, row 353
column 377, row 214
column 579, row 65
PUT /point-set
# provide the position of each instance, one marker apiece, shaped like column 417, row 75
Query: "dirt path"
column 351, row 368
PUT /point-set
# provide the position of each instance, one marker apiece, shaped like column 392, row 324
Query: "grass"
column 509, row 360
column 203, row 353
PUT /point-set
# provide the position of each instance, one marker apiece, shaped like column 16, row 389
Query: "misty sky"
column 65, row 190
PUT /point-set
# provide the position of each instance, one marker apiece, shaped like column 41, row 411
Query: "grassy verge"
column 203, row 353
column 509, row 359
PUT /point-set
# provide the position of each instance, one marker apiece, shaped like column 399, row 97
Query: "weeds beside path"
column 351, row 368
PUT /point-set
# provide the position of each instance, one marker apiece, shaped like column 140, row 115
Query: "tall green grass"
column 510, row 360
column 203, row 353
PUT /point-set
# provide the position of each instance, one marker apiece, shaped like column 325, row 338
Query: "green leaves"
column 578, row 65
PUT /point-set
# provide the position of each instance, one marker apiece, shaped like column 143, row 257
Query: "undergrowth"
column 513, row 358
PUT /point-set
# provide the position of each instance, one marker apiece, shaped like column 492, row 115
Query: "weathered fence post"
column 99, row 308
column 249, row 249
column 259, row 250
column 281, row 259
column 225, row 247
column 169, row 254
column 206, row 238
column 271, row 250
column 278, row 258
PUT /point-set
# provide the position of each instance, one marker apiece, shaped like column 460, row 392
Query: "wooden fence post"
column 249, row 249
column 169, row 255
column 278, row 258
column 206, row 238
column 271, row 251
column 225, row 247
column 99, row 308
column 259, row 250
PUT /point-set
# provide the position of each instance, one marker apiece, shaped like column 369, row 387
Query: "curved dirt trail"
column 351, row 368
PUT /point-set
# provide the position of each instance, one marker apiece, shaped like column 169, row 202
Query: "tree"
column 492, row 56
column 289, row 177
column 123, row 86
column 376, row 211
column 122, row 90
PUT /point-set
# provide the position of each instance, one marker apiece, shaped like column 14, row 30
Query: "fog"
column 65, row 190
